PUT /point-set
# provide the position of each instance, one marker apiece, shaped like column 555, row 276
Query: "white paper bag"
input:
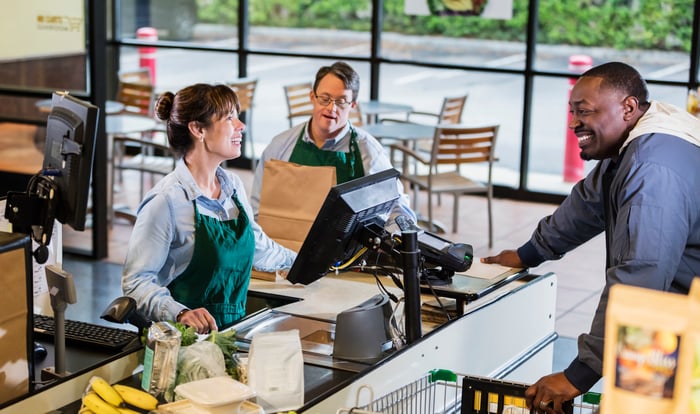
column 276, row 370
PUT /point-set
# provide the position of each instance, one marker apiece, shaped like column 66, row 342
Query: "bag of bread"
column 689, row 360
column 643, row 332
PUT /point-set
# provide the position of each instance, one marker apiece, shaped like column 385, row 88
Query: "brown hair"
column 202, row 103
column 342, row 71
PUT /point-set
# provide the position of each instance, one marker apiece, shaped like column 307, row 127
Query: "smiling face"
column 328, row 120
column 223, row 137
column 601, row 117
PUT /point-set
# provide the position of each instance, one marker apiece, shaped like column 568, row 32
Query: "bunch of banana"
column 102, row 398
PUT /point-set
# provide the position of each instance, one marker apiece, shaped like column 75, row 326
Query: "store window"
column 339, row 27
column 177, row 68
column 492, row 98
column 653, row 36
column 493, row 39
column 417, row 31
column 174, row 20
column 424, row 58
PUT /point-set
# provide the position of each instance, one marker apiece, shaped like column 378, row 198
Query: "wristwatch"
column 179, row 315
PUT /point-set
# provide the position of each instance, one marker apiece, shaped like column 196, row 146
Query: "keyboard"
column 85, row 334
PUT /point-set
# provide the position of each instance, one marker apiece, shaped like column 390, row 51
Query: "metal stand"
column 62, row 291
column 59, row 369
column 410, row 255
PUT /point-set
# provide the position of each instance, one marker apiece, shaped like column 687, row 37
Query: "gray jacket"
column 652, row 235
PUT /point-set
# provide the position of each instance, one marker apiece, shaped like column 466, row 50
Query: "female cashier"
column 194, row 243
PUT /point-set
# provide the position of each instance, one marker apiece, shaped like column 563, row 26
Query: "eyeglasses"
column 325, row 100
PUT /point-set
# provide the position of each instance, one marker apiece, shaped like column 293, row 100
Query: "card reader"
column 456, row 257
column 453, row 257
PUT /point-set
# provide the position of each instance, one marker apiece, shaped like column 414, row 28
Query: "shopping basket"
column 481, row 395
column 439, row 392
column 443, row 391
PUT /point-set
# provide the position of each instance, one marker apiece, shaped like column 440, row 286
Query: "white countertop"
column 334, row 293
column 326, row 297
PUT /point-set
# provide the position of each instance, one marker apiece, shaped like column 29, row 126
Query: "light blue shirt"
column 374, row 159
column 162, row 241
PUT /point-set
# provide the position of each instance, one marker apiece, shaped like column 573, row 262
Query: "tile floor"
column 580, row 273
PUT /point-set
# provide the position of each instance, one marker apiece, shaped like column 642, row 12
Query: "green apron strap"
column 217, row 276
column 348, row 165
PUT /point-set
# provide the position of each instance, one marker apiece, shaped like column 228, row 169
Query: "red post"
column 573, row 163
column 147, row 54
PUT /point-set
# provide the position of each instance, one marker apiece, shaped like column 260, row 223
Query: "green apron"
column 218, row 274
column 348, row 165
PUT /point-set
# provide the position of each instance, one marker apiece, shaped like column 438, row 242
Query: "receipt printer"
column 362, row 332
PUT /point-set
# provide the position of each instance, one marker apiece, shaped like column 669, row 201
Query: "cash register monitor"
column 60, row 191
column 71, row 131
column 348, row 207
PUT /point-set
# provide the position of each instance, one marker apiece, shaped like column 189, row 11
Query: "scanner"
column 123, row 310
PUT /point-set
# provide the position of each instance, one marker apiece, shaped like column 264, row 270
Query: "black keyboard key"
column 85, row 334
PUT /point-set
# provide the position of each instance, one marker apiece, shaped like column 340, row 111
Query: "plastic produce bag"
column 198, row 361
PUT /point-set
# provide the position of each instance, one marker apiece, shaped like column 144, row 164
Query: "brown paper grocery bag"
column 290, row 199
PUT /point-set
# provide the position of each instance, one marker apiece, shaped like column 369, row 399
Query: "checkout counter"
column 505, row 332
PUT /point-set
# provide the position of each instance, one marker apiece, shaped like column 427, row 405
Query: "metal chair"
column 245, row 89
column 298, row 102
column 439, row 171
column 154, row 158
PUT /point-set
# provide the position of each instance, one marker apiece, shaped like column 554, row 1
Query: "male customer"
column 644, row 193
column 328, row 138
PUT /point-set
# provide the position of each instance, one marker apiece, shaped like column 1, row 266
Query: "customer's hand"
column 507, row 258
column 549, row 393
column 200, row 319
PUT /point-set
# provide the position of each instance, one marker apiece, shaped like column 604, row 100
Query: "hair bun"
column 164, row 106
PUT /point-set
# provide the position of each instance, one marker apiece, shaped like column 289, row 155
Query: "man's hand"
column 200, row 319
column 507, row 258
column 549, row 393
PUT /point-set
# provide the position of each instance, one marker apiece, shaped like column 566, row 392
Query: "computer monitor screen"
column 348, row 207
column 71, row 131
